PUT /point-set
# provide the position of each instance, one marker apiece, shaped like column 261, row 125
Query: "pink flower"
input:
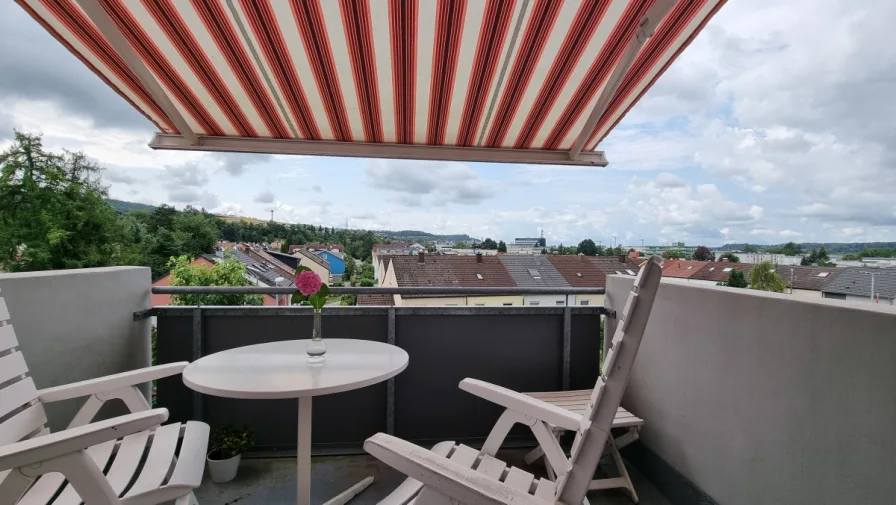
column 308, row 282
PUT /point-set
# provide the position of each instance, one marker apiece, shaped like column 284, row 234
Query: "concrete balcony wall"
column 74, row 325
column 766, row 398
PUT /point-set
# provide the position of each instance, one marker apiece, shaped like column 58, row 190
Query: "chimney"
column 621, row 258
column 479, row 257
column 420, row 257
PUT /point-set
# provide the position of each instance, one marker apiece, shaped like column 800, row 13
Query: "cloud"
column 317, row 189
column 237, row 163
column 192, row 196
column 441, row 182
column 187, row 174
column 120, row 176
column 265, row 196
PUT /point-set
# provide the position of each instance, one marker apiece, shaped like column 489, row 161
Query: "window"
column 712, row 268
column 534, row 273
column 822, row 274
column 559, row 302
column 619, row 272
column 585, row 302
column 578, row 274
column 508, row 304
column 727, row 269
column 533, row 303
column 629, row 272
column 479, row 276
column 690, row 268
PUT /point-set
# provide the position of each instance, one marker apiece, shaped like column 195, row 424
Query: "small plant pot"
column 222, row 470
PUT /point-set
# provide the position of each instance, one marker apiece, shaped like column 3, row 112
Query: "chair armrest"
column 110, row 382
column 37, row 449
column 443, row 475
column 523, row 404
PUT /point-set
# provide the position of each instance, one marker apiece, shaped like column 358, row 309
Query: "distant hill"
column 422, row 236
column 123, row 206
column 830, row 247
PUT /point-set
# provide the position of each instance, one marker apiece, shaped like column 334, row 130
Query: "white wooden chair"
column 450, row 474
column 129, row 459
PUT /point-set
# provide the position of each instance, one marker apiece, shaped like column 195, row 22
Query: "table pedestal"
column 303, row 462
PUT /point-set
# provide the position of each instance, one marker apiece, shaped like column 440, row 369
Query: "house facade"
column 335, row 259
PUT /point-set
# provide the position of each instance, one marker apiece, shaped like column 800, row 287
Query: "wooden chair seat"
column 577, row 401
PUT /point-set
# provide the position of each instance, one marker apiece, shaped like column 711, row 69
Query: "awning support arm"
column 107, row 27
column 648, row 24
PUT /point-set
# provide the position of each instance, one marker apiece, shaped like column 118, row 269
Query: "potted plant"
column 228, row 444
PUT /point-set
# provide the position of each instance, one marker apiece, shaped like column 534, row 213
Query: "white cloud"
column 431, row 182
column 264, row 196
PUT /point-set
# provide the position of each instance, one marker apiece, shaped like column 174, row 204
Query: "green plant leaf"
column 298, row 297
column 324, row 290
column 317, row 300
column 301, row 268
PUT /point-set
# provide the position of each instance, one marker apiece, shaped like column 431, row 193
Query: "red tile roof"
column 313, row 257
column 682, row 269
column 450, row 271
column 591, row 271
column 375, row 300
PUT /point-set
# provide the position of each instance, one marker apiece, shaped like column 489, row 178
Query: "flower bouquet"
column 312, row 291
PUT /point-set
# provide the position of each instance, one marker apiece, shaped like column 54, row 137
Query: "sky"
column 778, row 123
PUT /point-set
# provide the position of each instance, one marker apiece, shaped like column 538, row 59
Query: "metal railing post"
column 390, row 384
column 198, row 399
column 567, row 345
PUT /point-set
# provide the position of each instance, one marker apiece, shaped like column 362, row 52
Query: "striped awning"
column 534, row 81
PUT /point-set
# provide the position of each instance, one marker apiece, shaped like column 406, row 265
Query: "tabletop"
column 281, row 370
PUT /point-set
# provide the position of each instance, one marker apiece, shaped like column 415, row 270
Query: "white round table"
column 281, row 370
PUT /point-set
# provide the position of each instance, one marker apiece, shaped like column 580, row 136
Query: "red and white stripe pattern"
column 519, row 74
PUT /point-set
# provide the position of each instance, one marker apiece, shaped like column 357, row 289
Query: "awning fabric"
column 514, row 75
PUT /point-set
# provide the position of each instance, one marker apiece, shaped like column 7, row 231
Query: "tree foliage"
column 736, row 279
column 228, row 272
column 587, row 247
column 819, row 258
column 673, row 255
column 53, row 212
column 702, row 253
column 488, row 244
column 764, row 278
column 790, row 249
column 349, row 268
column 750, row 248
column 502, row 247
column 731, row 257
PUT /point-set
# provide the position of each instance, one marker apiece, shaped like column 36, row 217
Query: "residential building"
column 681, row 270
column 261, row 270
column 807, row 282
column 536, row 271
column 523, row 249
column 854, row 284
column 335, row 259
column 466, row 251
column 650, row 250
column 714, row 272
column 591, row 271
column 530, row 242
column 777, row 259
column 398, row 248
column 317, row 264
column 325, row 246
column 437, row 270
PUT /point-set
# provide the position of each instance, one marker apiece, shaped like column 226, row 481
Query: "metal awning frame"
column 188, row 140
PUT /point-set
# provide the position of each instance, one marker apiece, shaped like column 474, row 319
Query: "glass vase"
column 316, row 348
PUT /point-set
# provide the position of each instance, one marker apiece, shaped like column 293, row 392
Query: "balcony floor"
column 273, row 482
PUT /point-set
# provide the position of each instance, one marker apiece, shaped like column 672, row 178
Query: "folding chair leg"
column 533, row 455
column 623, row 473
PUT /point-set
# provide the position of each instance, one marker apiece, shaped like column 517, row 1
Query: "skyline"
column 769, row 128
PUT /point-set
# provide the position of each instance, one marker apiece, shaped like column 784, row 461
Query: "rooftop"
column 303, row 254
column 591, row 271
column 857, row 281
column 447, row 271
column 682, row 269
column 807, row 277
column 719, row 271
column 532, row 271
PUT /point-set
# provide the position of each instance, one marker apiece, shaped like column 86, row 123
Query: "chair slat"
column 100, row 455
column 18, row 426
column 7, row 338
column 464, row 455
column 159, row 461
column 130, row 451
column 407, row 490
column 518, row 479
column 16, row 395
column 4, row 312
column 545, row 490
column 12, row 366
column 191, row 458
column 491, row 467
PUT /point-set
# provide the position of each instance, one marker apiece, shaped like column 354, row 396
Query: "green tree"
column 367, row 269
column 587, row 247
column 673, row 254
column 53, row 212
column 502, row 247
column 461, row 245
column 749, row 248
column 349, row 268
column 488, row 244
column 764, row 278
column 736, row 279
column 731, row 257
column 367, row 282
column 228, row 272
column 702, row 253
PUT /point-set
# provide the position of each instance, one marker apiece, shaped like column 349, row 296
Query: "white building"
column 776, row 259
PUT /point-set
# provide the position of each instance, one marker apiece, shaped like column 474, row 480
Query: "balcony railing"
column 526, row 348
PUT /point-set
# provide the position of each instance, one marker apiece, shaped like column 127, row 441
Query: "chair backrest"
column 598, row 416
column 22, row 416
